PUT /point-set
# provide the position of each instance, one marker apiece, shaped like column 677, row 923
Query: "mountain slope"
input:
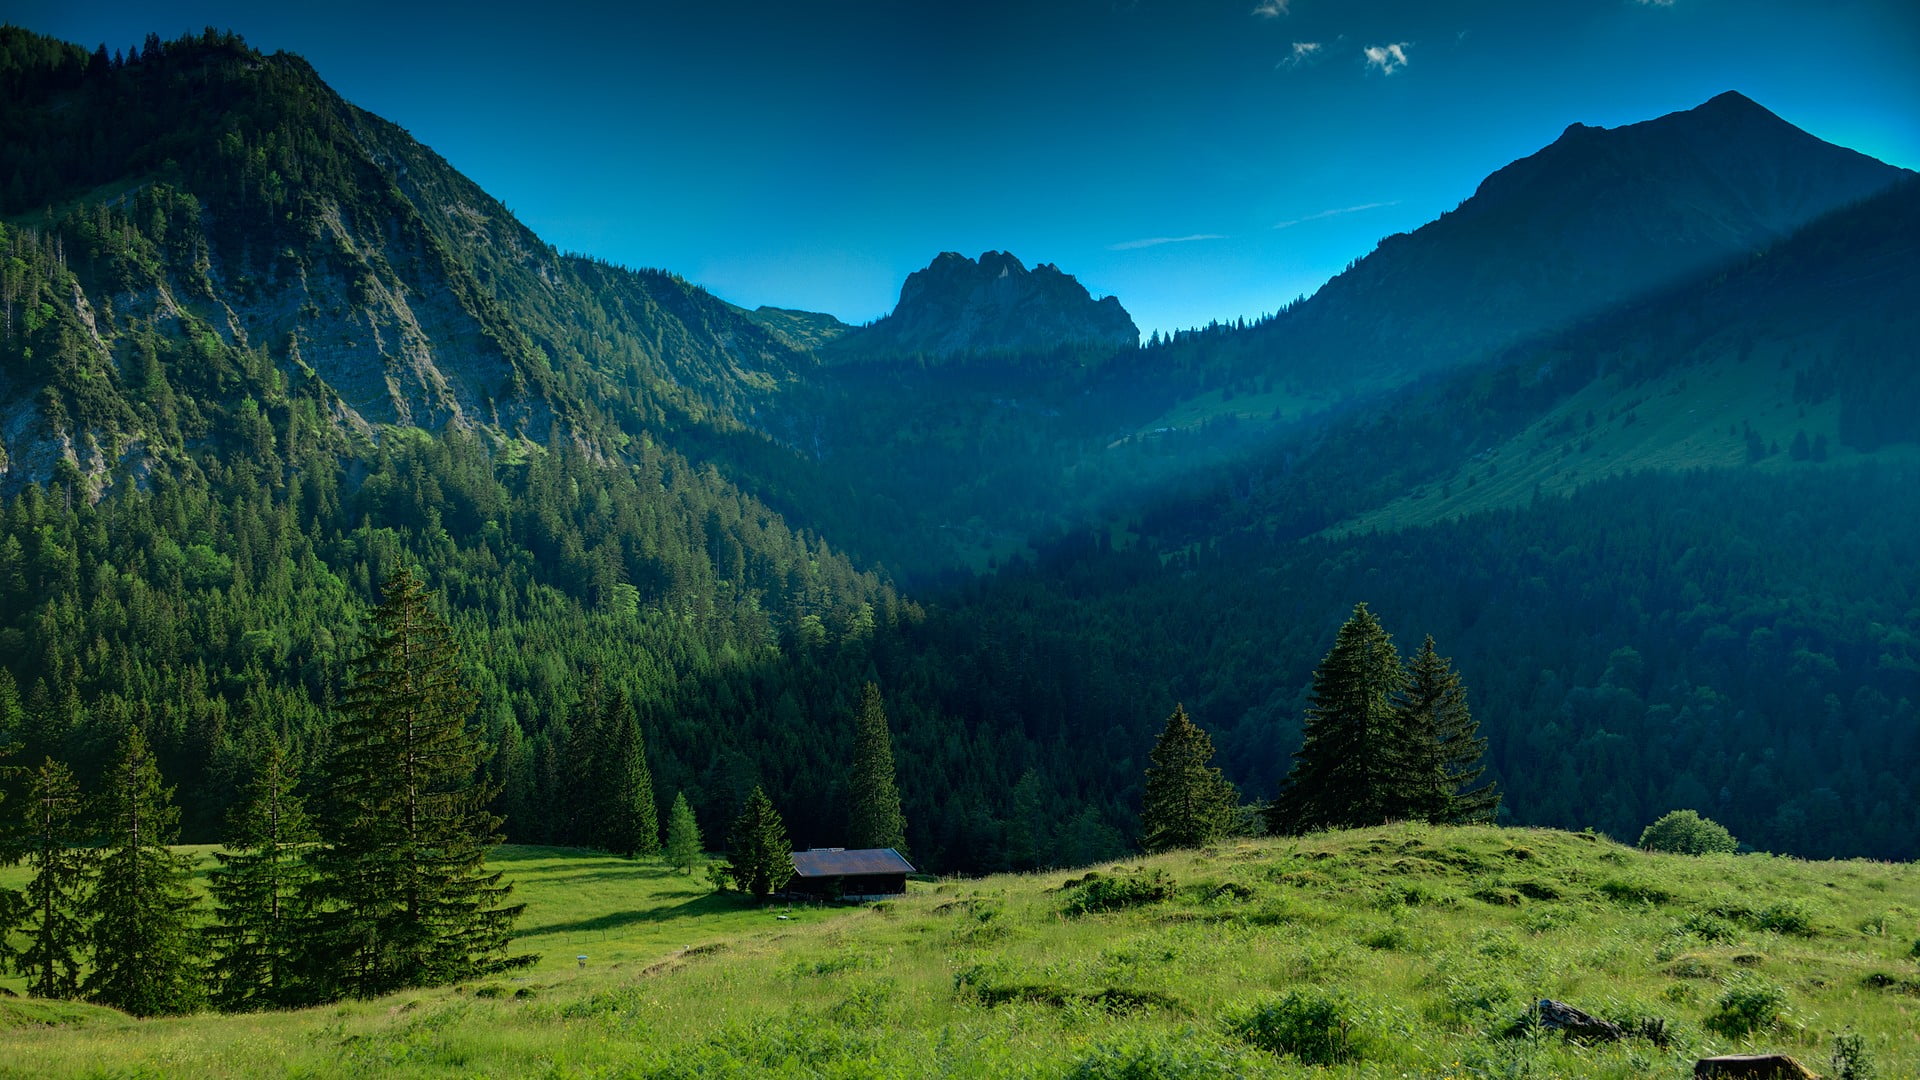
column 1597, row 218
column 1413, row 948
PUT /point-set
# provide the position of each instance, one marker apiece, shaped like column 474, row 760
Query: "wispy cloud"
column 1156, row 241
column 1654, row 3
column 1388, row 58
column 1273, row 9
column 1324, row 214
column 1303, row 51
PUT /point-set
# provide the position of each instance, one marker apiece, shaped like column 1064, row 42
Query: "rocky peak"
column 993, row 304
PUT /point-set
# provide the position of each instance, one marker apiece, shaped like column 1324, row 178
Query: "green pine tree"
column 141, row 907
column 257, row 888
column 683, row 836
column 877, row 821
column 1340, row 773
column 402, row 889
column 1188, row 803
column 55, row 896
column 1439, row 748
column 760, row 860
column 629, row 818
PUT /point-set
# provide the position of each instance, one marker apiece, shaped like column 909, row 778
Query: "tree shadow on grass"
column 707, row 904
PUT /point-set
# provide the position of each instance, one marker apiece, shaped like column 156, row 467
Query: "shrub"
column 1629, row 891
column 1115, row 893
column 1311, row 1025
column 1156, row 1056
column 1747, row 1006
column 1851, row 1060
column 1786, row 917
column 1685, row 832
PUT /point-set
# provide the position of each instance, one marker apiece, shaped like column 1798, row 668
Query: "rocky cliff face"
column 232, row 232
column 993, row 304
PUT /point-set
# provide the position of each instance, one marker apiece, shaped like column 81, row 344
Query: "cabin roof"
column 844, row 862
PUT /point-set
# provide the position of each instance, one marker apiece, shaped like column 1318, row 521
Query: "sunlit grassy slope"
column 1428, row 942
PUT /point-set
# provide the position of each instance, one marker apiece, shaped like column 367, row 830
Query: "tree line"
column 384, row 886
column 1383, row 742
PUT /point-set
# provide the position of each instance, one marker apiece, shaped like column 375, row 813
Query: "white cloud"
column 1388, row 58
column 1654, row 3
column 1156, row 241
column 1273, row 9
column 1335, row 213
column 1303, row 51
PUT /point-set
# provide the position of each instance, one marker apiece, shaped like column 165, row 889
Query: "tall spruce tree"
column 877, row 820
column 760, row 860
column 1438, row 750
column 1341, row 773
column 403, row 894
column 141, row 907
column 629, row 818
column 683, row 836
column 257, row 893
column 55, row 897
column 1188, row 802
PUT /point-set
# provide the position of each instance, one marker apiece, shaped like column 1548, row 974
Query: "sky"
column 1200, row 159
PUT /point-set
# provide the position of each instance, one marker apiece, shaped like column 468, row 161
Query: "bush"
column 1749, row 1005
column 1685, row 832
column 1851, row 1059
column 1152, row 1056
column 1310, row 1025
column 1115, row 893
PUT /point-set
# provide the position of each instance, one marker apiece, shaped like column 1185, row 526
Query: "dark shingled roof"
column 840, row 862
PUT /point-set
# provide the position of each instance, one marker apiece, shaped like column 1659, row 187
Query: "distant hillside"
column 1599, row 217
column 801, row 329
column 959, row 305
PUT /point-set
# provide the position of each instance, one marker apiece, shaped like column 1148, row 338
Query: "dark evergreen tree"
column 1188, row 802
column 257, row 891
column 1340, row 774
column 402, row 889
column 629, row 818
column 877, row 820
column 141, row 907
column 683, row 836
column 760, row 860
column 1436, row 754
column 55, row 927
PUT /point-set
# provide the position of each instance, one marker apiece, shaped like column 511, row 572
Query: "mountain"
column 960, row 305
column 802, row 329
column 1599, row 217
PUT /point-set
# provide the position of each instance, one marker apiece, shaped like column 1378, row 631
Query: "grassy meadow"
column 1391, row 952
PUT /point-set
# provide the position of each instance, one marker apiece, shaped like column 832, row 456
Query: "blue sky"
column 1200, row 159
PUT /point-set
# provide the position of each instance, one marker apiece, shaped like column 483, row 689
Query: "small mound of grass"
column 1311, row 1025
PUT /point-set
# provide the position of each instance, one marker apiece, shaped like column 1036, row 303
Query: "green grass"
column 1401, row 951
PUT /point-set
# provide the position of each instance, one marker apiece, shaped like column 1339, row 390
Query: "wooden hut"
column 843, row 874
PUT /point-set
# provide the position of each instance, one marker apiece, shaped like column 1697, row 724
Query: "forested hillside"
column 261, row 349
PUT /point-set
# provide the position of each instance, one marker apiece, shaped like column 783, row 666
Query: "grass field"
column 1401, row 951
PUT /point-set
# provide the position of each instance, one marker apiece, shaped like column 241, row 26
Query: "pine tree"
column 683, row 836
column 402, row 890
column 55, row 928
column 629, row 818
column 1339, row 774
column 760, row 859
column 1188, row 803
column 141, row 907
column 877, row 821
column 1438, row 748
column 257, row 890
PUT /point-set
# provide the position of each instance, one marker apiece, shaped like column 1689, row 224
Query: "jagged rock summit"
column 993, row 304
